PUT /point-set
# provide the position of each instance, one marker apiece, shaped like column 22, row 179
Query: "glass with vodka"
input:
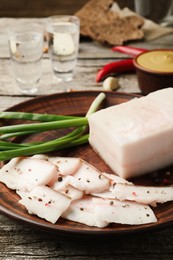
column 26, row 49
column 63, row 44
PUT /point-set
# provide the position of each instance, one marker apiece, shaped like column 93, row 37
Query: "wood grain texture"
column 25, row 242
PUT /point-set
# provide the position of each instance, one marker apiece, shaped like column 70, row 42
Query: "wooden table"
column 19, row 241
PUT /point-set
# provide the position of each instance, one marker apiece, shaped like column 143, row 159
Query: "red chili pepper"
column 115, row 67
column 129, row 50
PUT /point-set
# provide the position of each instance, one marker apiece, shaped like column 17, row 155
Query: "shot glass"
column 63, row 44
column 26, row 49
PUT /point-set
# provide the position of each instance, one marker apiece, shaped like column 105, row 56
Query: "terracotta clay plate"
column 77, row 103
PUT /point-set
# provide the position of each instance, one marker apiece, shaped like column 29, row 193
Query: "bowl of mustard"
column 154, row 70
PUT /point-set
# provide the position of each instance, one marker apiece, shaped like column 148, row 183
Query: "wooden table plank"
column 25, row 242
column 84, row 79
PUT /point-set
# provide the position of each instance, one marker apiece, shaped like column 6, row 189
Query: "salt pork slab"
column 135, row 137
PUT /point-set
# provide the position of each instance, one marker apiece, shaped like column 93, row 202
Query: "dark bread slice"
column 104, row 24
column 119, row 31
column 95, row 12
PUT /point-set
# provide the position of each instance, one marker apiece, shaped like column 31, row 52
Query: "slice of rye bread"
column 122, row 30
column 95, row 12
column 106, row 24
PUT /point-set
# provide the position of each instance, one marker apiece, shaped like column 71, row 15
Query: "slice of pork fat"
column 131, row 213
column 122, row 189
column 116, row 179
column 100, row 212
column 24, row 173
column 65, row 165
column 135, row 137
column 72, row 192
column 141, row 194
column 45, row 203
column 88, row 179
column 83, row 211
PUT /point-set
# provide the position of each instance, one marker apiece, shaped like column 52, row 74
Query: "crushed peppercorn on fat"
column 45, row 203
column 24, row 173
column 123, row 190
column 100, row 212
column 85, row 195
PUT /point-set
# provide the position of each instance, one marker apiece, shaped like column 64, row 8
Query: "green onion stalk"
column 76, row 137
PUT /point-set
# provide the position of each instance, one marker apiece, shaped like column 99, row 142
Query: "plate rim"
column 71, row 231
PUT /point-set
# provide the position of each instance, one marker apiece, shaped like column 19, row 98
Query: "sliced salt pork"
column 83, row 211
column 135, row 137
column 66, row 165
column 142, row 194
column 116, row 179
column 72, row 192
column 87, row 178
column 21, row 193
column 131, row 213
column 45, row 203
column 60, row 183
column 24, row 173
column 105, row 194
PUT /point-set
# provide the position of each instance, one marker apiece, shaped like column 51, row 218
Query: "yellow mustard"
column 158, row 60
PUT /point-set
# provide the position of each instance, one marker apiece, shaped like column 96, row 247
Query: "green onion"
column 9, row 146
column 96, row 104
column 33, row 116
column 78, row 136
column 10, row 135
column 44, row 126
column 38, row 148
